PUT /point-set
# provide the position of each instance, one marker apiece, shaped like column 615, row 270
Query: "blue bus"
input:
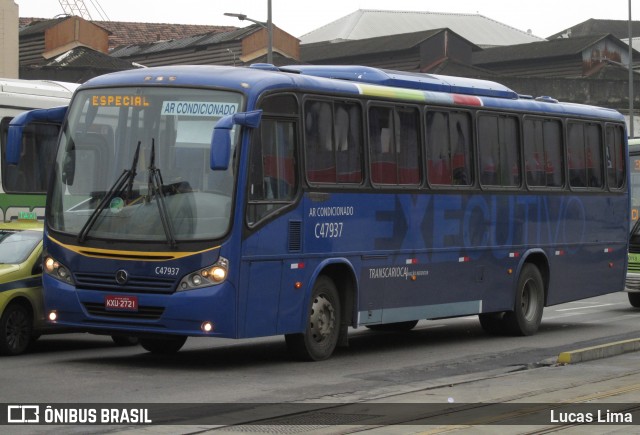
column 304, row 200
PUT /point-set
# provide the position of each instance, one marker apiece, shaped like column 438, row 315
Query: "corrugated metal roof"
column 38, row 26
column 593, row 26
column 87, row 58
column 341, row 48
column 127, row 33
column 539, row 50
column 176, row 44
column 370, row 23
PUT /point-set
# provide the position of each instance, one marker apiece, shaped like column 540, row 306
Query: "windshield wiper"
column 126, row 177
column 155, row 189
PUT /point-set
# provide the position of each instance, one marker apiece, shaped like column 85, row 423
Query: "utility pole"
column 631, row 133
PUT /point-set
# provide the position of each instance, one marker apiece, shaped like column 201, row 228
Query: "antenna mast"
column 78, row 8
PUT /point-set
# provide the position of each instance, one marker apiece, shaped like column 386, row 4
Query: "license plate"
column 634, row 258
column 121, row 303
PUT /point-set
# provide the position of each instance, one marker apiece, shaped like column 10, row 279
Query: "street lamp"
column 268, row 26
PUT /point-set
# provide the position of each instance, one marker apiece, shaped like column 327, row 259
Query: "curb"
column 600, row 351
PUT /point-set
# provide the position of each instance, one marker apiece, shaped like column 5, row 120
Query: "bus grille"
column 135, row 284
column 144, row 312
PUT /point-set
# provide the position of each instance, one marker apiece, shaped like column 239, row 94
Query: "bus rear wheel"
column 319, row 339
column 634, row 299
column 527, row 312
column 163, row 346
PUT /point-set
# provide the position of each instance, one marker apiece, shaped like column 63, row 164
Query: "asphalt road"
column 377, row 366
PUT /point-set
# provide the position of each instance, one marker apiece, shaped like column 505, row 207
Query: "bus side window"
column 585, row 155
column 543, row 152
column 408, row 146
column 272, row 173
column 382, row 146
column 438, row 140
column 318, row 133
column 594, row 156
column 499, row 147
column 348, row 140
column 615, row 157
column 449, row 148
column 577, row 174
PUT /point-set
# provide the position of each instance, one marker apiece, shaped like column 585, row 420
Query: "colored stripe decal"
column 467, row 100
column 21, row 283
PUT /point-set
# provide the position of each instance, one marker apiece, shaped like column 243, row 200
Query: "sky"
column 297, row 17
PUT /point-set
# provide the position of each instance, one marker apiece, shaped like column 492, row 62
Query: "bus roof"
column 356, row 80
column 426, row 82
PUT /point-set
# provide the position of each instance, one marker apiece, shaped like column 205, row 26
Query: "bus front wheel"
column 319, row 339
column 527, row 312
column 163, row 346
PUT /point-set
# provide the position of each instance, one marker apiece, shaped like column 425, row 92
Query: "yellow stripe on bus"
column 129, row 255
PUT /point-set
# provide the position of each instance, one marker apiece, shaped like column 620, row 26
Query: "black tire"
column 125, row 340
column 320, row 337
column 163, row 346
column 492, row 323
column 397, row 327
column 16, row 329
column 527, row 313
column 634, row 299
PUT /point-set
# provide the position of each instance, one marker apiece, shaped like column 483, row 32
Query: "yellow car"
column 21, row 306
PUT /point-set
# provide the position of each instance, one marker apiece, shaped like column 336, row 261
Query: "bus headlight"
column 212, row 275
column 57, row 270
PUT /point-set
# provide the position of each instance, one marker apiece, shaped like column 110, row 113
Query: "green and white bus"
column 23, row 186
column 632, row 284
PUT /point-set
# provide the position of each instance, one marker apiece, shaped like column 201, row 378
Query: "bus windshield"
column 634, row 164
column 133, row 164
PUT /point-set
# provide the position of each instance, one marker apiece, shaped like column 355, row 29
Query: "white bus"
column 23, row 186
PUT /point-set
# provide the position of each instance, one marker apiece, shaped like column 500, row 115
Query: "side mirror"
column 221, row 140
column 16, row 128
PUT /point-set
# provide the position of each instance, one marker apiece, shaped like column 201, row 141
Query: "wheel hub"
column 322, row 319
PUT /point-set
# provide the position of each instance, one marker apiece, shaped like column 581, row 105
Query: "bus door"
column 268, row 270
